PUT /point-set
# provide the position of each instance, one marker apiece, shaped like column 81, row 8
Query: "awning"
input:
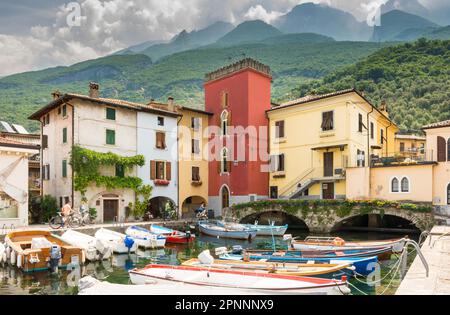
column 336, row 146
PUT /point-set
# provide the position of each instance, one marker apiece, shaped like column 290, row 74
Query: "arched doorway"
column 189, row 206
column 157, row 206
column 225, row 197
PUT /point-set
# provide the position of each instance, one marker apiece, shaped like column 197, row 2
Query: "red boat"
column 173, row 236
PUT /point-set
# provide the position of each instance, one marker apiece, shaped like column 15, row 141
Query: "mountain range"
column 302, row 46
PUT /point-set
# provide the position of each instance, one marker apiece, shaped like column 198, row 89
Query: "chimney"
column 94, row 90
column 170, row 105
column 384, row 108
column 56, row 94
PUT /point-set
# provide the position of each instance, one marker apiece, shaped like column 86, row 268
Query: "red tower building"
column 238, row 95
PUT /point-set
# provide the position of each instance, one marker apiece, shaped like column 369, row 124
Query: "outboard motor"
column 188, row 234
column 55, row 257
column 129, row 242
column 237, row 250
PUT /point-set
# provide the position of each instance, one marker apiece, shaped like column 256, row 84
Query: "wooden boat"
column 219, row 231
column 304, row 270
column 172, row 236
column 267, row 230
column 30, row 250
column 254, row 280
column 363, row 265
column 337, row 243
column 381, row 253
column 94, row 249
column 145, row 238
column 120, row 243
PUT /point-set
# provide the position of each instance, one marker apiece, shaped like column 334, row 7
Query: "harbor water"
column 115, row 270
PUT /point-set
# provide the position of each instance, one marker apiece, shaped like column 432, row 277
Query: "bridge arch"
column 278, row 216
column 377, row 222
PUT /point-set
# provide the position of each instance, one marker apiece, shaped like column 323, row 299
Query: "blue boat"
column 363, row 265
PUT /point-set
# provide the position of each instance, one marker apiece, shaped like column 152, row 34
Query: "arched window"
column 394, row 185
column 405, row 184
column 224, row 122
column 224, row 165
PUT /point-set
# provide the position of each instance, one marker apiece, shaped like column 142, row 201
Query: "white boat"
column 91, row 286
column 241, row 280
column 94, row 248
column 338, row 244
column 120, row 243
column 268, row 230
column 145, row 238
column 226, row 232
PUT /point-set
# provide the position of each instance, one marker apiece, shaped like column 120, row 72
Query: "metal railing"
column 404, row 257
column 402, row 158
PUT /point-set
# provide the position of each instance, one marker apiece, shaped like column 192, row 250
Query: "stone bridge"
column 326, row 217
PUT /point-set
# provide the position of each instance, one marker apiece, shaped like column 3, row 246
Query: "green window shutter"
column 110, row 137
column 120, row 172
column 110, row 113
column 64, row 110
column 64, row 168
column 64, row 135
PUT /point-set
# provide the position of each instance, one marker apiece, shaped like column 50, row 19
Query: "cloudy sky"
column 36, row 34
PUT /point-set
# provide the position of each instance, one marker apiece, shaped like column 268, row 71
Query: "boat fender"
column 128, row 242
column 3, row 258
column 2, row 252
column 13, row 258
column 339, row 241
column 19, row 261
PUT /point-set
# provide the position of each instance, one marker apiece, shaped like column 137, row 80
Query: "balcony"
column 401, row 158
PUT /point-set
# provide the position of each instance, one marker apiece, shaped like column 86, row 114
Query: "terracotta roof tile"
column 310, row 98
column 445, row 123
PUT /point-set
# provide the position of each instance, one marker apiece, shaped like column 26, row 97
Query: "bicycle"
column 82, row 218
column 57, row 221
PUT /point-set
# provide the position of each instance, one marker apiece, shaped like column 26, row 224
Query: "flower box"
column 161, row 182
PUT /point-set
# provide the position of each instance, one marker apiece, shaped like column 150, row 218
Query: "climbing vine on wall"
column 86, row 165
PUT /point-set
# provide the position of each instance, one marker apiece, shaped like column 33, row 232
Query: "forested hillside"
column 414, row 79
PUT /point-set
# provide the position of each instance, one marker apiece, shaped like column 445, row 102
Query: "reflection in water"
column 115, row 270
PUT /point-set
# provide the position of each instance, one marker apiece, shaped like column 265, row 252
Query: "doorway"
column 225, row 197
column 327, row 190
column 110, row 210
column 328, row 164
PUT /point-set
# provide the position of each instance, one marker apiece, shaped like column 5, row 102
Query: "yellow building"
column 193, row 159
column 409, row 145
column 313, row 140
column 415, row 180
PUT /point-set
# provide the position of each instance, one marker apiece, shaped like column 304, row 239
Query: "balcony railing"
column 403, row 158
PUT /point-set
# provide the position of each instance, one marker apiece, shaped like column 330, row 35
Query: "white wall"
column 147, row 126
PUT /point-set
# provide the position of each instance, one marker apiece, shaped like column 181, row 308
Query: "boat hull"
column 363, row 265
column 94, row 249
column 161, row 274
column 116, row 241
column 395, row 245
column 226, row 233
column 144, row 238
column 328, row 271
column 268, row 230
column 172, row 236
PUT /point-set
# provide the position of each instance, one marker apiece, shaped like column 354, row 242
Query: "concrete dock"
column 436, row 250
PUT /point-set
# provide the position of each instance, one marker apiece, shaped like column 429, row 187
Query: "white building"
column 157, row 142
column 102, row 125
column 14, row 182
